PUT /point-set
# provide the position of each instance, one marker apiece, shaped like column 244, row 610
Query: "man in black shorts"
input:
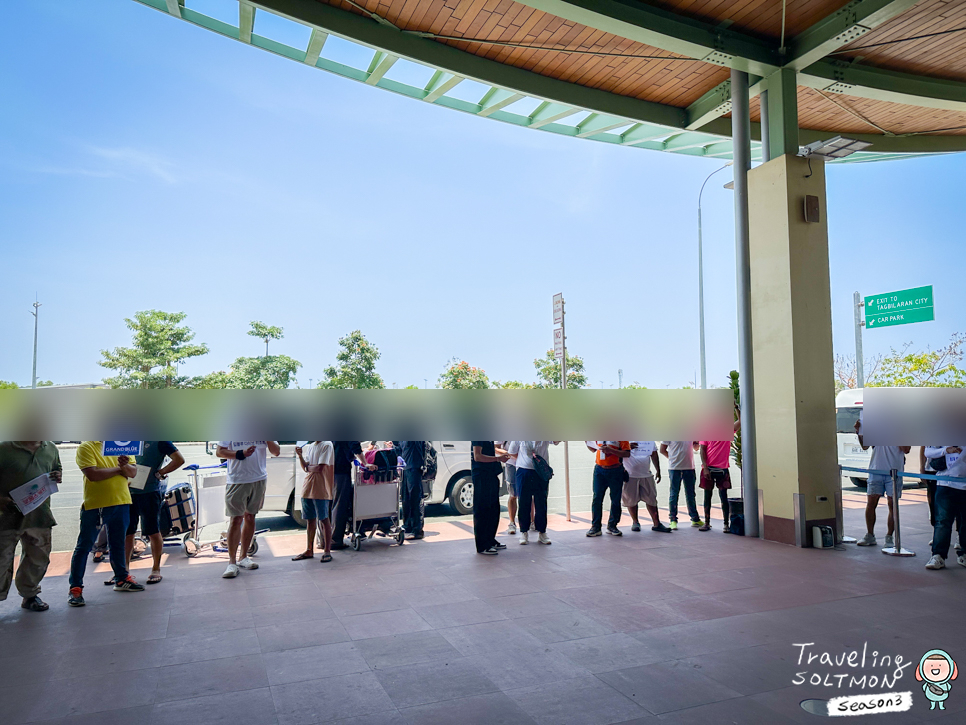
column 146, row 499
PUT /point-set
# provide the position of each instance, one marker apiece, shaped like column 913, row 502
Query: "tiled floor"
column 684, row 628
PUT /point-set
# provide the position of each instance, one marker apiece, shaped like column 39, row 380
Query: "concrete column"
column 792, row 350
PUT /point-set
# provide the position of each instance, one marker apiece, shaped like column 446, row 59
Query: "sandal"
column 325, row 558
column 303, row 556
column 154, row 578
column 98, row 557
column 706, row 527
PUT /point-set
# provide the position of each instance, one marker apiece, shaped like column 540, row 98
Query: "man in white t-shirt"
column 884, row 458
column 680, row 463
column 244, row 495
column 950, row 505
column 640, row 484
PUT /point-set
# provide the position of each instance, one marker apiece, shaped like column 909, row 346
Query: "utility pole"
column 859, row 361
column 36, row 314
column 558, row 318
column 620, row 378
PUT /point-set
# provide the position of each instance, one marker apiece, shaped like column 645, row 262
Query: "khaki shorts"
column 244, row 498
column 639, row 489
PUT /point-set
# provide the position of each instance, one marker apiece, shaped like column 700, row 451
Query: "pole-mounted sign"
column 899, row 308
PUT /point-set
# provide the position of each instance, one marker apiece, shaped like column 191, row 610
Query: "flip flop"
column 325, row 558
column 303, row 556
column 154, row 578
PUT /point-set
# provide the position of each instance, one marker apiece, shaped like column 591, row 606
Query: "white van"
column 848, row 406
column 453, row 481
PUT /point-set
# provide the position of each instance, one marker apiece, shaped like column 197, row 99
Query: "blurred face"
column 936, row 669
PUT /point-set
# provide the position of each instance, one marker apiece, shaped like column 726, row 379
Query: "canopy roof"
column 653, row 75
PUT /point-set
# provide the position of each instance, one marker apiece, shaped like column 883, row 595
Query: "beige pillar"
column 792, row 337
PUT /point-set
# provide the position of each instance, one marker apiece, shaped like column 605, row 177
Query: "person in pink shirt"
column 715, row 464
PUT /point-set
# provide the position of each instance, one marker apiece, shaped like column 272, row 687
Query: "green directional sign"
column 899, row 308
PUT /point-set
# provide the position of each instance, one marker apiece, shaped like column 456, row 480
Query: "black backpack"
column 429, row 462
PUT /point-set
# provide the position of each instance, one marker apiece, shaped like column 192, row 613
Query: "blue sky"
column 146, row 163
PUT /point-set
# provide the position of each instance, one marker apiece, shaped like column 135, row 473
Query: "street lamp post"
column 704, row 369
column 36, row 314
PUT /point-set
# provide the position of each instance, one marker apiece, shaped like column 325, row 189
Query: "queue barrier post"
column 897, row 549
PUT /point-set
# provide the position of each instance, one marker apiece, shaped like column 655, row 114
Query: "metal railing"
column 897, row 477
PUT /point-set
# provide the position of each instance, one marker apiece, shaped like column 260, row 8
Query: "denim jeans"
column 687, row 476
column 115, row 518
column 950, row 506
column 607, row 479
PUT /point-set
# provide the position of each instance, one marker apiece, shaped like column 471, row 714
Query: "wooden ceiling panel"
column 760, row 18
column 942, row 56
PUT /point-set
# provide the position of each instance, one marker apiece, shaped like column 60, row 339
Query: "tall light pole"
column 36, row 314
column 704, row 368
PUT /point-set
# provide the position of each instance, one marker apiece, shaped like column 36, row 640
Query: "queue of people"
column 123, row 494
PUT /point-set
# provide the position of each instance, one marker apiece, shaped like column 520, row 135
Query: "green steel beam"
column 547, row 113
column 440, row 84
column 841, row 28
column 316, row 43
column 782, row 113
column 885, row 85
column 246, row 21
column 667, row 31
column 445, row 57
column 596, row 124
column 643, row 133
column 713, row 104
column 174, row 7
column 380, row 65
column 496, row 99
column 682, row 141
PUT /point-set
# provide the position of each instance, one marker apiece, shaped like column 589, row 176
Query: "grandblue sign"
column 122, row 448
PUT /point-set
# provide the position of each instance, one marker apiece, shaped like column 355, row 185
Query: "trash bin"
column 736, row 508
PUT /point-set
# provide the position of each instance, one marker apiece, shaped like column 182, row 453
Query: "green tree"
column 265, row 332
column 736, row 392
column 460, row 375
column 635, row 386
column 211, row 381
column 923, row 369
column 276, row 372
column 411, row 387
column 513, row 385
column 548, row 371
column 7, row 385
column 44, row 383
column 160, row 343
column 355, row 365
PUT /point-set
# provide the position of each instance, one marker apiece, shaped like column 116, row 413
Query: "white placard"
column 558, row 343
column 558, row 309
column 33, row 493
column 140, row 479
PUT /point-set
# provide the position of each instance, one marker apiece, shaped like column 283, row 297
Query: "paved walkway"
column 689, row 627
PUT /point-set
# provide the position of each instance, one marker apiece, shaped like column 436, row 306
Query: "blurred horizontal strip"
column 184, row 415
column 914, row 416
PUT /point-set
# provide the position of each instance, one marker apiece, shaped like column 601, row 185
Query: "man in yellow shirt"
column 107, row 502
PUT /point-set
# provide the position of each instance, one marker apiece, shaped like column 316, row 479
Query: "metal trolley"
column 375, row 504
column 208, row 490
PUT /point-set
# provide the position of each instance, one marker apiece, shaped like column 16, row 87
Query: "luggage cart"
column 209, row 496
column 375, row 504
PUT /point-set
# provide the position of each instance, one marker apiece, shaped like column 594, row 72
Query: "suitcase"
column 178, row 511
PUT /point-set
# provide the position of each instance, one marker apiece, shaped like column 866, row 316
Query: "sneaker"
column 543, row 538
column 525, row 538
column 511, row 529
column 726, row 529
column 498, row 546
column 128, row 585
column 533, row 528
column 936, row 562
column 76, row 598
column 231, row 572
column 674, row 526
column 247, row 563
column 961, row 560
column 889, row 541
column 614, row 531
column 661, row 528
column 594, row 531
column 697, row 524
column 635, row 526
column 490, row 552
column 867, row 540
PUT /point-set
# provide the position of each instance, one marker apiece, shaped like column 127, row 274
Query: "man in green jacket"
column 21, row 462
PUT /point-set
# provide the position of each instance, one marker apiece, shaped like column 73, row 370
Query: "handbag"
column 540, row 465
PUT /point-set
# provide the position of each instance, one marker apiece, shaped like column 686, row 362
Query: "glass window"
column 845, row 419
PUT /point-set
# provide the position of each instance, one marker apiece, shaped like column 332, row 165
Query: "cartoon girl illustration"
column 936, row 669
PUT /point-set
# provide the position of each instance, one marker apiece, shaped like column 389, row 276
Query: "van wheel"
column 461, row 497
column 859, row 482
column 295, row 512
